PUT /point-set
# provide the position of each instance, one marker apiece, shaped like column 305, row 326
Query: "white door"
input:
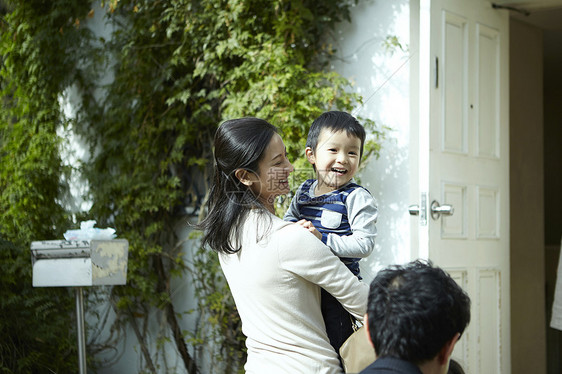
column 463, row 162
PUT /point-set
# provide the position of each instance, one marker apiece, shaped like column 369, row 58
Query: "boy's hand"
column 310, row 227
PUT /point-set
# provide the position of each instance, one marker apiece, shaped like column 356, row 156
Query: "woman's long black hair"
column 239, row 144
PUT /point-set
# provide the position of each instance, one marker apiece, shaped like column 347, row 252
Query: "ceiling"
column 530, row 5
column 547, row 16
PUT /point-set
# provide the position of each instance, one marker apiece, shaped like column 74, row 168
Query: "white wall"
column 382, row 77
column 126, row 354
column 74, row 150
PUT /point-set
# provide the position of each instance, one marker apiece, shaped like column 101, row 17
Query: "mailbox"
column 77, row 263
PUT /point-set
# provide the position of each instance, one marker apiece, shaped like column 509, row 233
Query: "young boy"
column 338, row 211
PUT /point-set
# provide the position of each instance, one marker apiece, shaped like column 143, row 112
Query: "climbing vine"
column 36, row 38
column 173, row 70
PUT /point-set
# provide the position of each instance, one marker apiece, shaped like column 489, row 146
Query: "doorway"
column 536, row 183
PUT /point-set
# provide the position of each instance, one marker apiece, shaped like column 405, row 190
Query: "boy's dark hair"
column 335, row 121
column 413, row 310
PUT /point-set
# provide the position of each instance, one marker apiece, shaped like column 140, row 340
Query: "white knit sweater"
column 275, row 280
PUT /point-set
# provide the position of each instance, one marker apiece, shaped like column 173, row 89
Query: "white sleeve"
column 362, row 214
column 293, row 214
column 307, row 257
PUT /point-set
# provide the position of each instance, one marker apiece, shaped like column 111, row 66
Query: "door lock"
column 420, row 210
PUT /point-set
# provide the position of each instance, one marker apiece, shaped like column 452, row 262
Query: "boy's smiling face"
column 336, row 159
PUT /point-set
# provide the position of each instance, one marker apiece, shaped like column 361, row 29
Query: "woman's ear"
column 244, row 176
column 310, row 155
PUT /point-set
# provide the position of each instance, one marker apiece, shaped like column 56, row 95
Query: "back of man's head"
column 414, row 310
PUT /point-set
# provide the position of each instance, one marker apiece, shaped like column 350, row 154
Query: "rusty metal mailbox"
column 79, row 263
column 76, row 263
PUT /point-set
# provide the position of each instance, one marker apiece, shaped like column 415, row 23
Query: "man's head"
column 416, row 312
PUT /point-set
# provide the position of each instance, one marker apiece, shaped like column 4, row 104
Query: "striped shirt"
column 345, row 217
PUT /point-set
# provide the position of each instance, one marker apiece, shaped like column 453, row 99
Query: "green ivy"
column 37, row 325
column 178, row 68
column 39, row 52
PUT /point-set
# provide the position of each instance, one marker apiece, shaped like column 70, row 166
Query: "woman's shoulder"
column 296, row 244
column 284, row 232
column 293, row 233
column 286, row 227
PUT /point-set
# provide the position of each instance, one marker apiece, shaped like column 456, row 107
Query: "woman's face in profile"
column 272, row 177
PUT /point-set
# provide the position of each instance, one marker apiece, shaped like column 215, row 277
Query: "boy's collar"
column 315, row 183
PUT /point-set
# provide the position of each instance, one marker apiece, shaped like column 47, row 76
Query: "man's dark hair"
column 335, row 121
column 414, row 310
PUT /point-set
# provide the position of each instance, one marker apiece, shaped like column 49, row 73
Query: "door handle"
column 437, row 210
column 414, row 210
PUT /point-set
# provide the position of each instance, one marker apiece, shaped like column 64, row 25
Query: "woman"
column 274, row 268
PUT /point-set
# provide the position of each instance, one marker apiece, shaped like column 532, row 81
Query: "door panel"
column 454, row 118
column 455, row 226
column 488, row 92
column 488, row 299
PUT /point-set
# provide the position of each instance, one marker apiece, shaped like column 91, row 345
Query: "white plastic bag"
column 87, row 231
